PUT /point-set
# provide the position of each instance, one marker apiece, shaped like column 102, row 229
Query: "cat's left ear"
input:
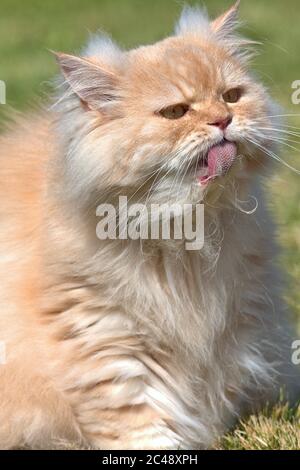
column 227, row 23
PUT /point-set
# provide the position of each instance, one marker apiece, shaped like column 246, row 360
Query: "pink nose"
column 222, row 123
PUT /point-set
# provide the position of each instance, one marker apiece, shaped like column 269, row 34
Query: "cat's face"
column 192, row 111
column 174, row 119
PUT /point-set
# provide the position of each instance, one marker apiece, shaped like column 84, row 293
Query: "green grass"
column 273, row 429
column 30, row 28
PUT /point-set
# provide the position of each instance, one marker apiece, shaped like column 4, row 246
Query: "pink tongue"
column 220, row 158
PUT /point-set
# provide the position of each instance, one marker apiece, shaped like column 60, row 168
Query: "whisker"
column 283, row 115
column 176, row 178
column 284, row 142
column 283, row 131
column 292, row 127
column 273, row 155
column 254, row 157
column 182, row 179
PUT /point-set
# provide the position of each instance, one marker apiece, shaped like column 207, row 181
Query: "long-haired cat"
column 140, row 344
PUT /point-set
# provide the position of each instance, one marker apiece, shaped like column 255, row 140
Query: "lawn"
column 30, row 28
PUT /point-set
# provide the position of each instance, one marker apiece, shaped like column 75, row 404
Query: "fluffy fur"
column 123, row 344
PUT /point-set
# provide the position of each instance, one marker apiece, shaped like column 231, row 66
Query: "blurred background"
column 29, row 29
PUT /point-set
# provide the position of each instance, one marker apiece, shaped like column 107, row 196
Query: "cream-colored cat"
column 127, row 344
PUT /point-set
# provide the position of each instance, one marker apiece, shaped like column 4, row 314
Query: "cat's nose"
column 222, row 123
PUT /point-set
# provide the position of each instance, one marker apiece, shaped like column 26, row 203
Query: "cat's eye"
column 176, row 111
column 232, row 96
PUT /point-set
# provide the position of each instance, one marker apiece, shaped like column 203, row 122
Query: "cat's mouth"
column 217, row 161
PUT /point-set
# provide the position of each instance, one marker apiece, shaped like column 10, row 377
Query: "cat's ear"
column 195, row 21
column 224, row 28
column 228, row 21
column 95, row 85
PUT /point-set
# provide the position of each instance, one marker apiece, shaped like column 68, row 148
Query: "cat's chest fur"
column 179, row 324
column 163, row 288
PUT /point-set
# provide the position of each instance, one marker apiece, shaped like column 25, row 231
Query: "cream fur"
column 116, row 344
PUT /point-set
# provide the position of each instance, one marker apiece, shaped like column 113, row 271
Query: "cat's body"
column 118, row 345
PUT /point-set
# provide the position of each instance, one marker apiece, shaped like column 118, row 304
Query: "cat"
column 130, row 344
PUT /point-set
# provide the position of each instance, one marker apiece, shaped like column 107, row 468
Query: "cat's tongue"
column 219, row 159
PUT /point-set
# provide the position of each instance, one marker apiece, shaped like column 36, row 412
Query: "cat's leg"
column 106, row 377
column 109, row 399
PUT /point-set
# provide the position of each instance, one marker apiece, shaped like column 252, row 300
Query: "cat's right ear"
column 95, row 85
column 227, row 22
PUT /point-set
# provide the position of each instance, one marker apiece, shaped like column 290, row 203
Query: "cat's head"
column 167, row 122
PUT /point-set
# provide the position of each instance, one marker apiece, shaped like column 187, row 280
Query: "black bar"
column 136, row 459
